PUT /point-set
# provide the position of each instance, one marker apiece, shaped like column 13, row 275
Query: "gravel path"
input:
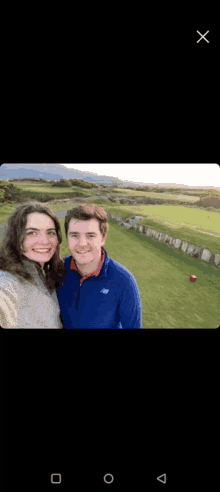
column 61, row 214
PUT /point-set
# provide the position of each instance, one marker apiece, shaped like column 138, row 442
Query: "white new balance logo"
column 105, row 291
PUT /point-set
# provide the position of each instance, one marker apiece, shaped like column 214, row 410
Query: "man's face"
column 40, row 245
column 85, row 241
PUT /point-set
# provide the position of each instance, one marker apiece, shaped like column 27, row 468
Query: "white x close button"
column 202, row 36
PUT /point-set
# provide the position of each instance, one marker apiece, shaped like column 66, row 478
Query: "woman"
column 30, row 268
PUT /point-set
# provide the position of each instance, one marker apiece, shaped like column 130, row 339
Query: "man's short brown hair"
column 88, row 212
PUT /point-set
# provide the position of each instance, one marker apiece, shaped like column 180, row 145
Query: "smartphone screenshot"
column 110, row 282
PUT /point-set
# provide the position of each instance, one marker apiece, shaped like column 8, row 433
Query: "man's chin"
column 82, row 257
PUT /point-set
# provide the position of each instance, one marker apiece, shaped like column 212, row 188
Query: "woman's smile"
column 42, row 251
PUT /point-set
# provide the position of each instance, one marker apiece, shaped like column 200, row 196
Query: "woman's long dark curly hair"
column 11, row 251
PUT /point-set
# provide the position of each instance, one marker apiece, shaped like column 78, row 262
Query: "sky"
column 180, row 174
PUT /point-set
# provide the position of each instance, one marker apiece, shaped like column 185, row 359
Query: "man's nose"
column 82, row 240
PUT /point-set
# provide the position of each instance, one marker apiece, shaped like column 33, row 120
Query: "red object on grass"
column 193, row 278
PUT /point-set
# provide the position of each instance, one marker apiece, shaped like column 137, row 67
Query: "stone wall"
column 191, row 249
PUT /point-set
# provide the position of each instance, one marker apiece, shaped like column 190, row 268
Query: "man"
column 96, row 291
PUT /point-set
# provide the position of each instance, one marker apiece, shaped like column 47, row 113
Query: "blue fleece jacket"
column 108, row 298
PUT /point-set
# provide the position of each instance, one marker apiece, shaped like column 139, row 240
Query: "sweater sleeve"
column 8, row 303
column 130, row 307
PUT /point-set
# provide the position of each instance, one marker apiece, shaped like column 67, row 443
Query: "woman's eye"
column 33, row 232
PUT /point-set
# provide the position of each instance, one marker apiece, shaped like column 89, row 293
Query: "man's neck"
column 88, row 269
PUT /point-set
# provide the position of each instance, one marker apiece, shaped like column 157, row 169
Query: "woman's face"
column 40, row 238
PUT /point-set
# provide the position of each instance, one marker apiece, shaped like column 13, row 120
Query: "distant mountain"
column 60, row 171
column 56, row 172
column 53, row 171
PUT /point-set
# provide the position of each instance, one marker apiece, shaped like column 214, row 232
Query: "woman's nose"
column 43, row 239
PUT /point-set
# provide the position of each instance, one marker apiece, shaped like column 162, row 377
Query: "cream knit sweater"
column 24, row 305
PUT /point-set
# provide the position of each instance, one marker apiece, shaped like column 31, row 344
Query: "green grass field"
column 158, row 195
column 169, row 299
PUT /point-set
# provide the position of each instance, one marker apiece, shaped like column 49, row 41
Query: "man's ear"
column 104, row 237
